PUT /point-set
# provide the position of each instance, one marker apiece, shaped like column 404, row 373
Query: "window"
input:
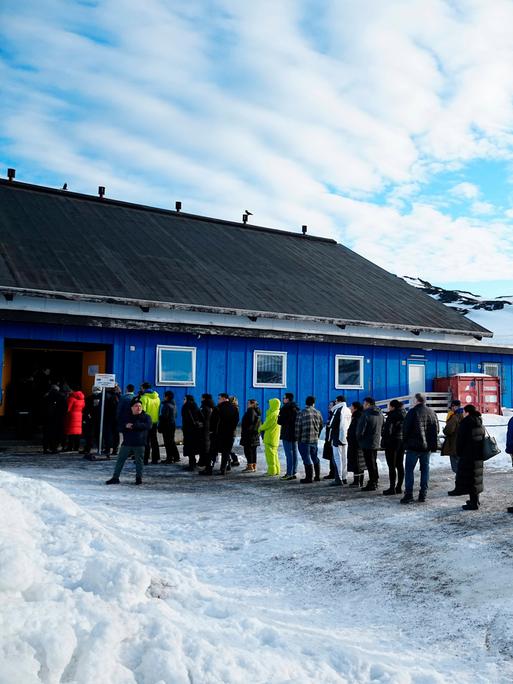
column 269, row 369
column 348, row 372
column 492, row 369
column 176, row 365
column 455, row 368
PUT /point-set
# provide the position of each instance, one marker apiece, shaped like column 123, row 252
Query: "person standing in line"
column 509, row 449
column 124, row 409
column 420, row 434
column 308, row 428
column 339, row 426
column 271, row 431
column 469, row 449
column 53, row 413
column 227, row 421
column 167, row 427
column 92, row 418
column 192, row 428
column 249, row 437
column 452, row 424
column 327, row 450
column 207, row 410
column 150, row 401
column 74, row 418
column 110, row 422
column 233, row 456
column 135, row 437
column 368, row 433
column 287, row 420
column 392, row 443
column 355, row 459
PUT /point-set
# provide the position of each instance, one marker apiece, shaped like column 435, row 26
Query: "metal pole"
column 101, row 422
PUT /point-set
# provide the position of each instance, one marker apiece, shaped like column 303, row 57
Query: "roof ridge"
column 107, row 201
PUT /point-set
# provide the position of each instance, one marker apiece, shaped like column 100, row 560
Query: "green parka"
column 150, row 401
column 270, row 426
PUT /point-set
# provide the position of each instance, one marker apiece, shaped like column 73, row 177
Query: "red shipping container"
column 484, row 391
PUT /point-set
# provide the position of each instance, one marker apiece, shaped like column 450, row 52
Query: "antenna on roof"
column 101, row 190
column 178, row 206
column 245, row 216
column 11, row 174
column 304, row 229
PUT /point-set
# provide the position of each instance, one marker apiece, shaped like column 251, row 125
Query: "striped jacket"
column 308, row 425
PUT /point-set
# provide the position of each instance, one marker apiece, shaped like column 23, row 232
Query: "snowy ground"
column 248, row 579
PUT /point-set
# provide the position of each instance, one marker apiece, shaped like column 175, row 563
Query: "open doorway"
column 30, row 367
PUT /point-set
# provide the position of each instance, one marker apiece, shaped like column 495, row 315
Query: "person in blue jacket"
column 135, row 435
column 509, row 448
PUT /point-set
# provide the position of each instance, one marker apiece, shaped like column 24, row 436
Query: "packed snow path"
column 248, row 579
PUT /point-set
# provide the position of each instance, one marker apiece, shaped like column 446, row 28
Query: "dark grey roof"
column 65, row 242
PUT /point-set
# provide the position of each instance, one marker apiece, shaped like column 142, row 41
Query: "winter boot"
column 317, row 470
column 422, row 496
column 370, row 487
column 248, row 468
column 208, row 471
column 192, row 463
column 138, row 480
column 113, row 480
column 308, row 478
column 224, row 464
column 389, row 492
column 398, row 489
column 235, row 460
column 358, row 480
column 407, row 498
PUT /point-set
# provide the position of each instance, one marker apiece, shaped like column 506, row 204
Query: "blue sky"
column 387, row 125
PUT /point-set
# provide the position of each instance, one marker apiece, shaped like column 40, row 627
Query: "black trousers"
column 250, row 452
column 152, row 444
column 395, row 462
column 172, row 455
column 371, row 463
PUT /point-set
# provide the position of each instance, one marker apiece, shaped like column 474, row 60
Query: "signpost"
column 103, row 380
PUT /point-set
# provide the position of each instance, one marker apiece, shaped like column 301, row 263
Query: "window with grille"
column 492, row 369
column 269, row 369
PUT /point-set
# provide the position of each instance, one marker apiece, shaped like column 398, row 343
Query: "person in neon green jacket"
column 150, row 401
column 271, row 431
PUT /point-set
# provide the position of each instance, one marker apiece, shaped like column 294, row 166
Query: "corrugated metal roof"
column 66, row 242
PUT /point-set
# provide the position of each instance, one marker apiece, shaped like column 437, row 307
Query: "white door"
column 416, row 378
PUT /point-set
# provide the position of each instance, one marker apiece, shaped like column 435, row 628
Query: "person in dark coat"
column 192, row 428
column 228, row 419
column 92, row 417
column 250, row 436
column 167, row 427
column 110, row 422
column 124, row 410
column 287, row 420
column 420, row 434
column 452, row 423
column 392, row 443
column 207, row 410
column 135, row 437
column 469, row 448
column 368, row 433
column 233, row 456
column 355, row 458
column 327, row 450
column 53, row 413
column 509, row 448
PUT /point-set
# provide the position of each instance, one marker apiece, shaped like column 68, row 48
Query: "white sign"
column 105, row 380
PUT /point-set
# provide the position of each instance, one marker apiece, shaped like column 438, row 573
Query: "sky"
column 387, row 125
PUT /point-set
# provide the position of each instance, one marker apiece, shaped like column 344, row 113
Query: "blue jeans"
column 124, row 453
column 308, row 453
column 290, row 449
column 411, row 461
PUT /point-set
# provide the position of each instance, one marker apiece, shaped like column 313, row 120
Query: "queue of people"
column 353, row 436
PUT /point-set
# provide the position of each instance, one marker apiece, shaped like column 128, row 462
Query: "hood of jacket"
column 274, row 404
column 77, row 394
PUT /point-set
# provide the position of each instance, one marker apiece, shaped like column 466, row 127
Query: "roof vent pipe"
column 244, row 218
column 304, row 229
column 11, row 174
column 178, row 206
column 101, row 190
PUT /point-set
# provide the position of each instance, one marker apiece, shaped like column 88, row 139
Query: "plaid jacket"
column 308, row 425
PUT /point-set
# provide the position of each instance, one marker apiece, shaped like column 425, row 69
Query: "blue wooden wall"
column 226, row 363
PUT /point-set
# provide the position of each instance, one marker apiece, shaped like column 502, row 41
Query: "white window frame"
column 167, row 347
column 267, row 352
column 351, row 357
column 492, row 363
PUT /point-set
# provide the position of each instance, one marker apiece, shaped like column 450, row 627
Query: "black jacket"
column 167, row 418
column 420, row 429
column 355, row 459
column 228, row 419
column 392, row 434
column 368, row 429
column 137, row 435
column 207, row 411
column 469, row 448
column 250, row 423
column 192, row 428
column 287, row 420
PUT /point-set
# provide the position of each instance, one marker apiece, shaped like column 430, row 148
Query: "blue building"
column 195, row 304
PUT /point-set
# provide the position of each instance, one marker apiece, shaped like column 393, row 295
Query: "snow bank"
column 82, row 605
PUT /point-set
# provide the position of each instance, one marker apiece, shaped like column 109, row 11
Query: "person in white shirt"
column 338, row 437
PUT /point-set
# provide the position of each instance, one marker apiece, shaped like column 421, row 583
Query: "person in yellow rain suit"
column 271, row 431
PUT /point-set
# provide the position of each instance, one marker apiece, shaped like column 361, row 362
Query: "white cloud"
column 299, row 113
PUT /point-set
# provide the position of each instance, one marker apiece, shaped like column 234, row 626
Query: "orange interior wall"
column 92, row 362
